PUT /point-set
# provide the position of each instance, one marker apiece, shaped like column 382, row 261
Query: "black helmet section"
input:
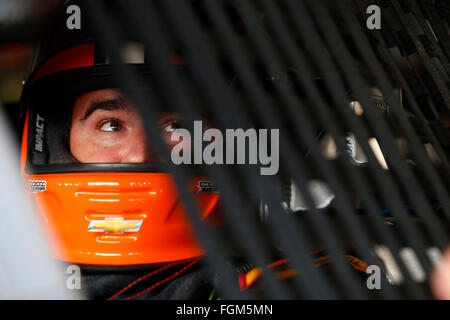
column 50, row 103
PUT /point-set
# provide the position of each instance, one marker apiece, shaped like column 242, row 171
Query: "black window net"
column 362, row 112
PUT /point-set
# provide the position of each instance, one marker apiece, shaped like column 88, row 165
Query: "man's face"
column 107, row 128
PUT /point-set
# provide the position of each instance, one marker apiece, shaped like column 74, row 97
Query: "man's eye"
column 111, row 126
column 170, row 126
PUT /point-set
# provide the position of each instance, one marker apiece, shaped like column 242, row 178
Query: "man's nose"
column 138, row 152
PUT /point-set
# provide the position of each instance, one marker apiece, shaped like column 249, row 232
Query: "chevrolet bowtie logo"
column 114, row 225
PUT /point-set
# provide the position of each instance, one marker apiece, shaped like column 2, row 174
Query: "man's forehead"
column 104, row 99
column 110, row 105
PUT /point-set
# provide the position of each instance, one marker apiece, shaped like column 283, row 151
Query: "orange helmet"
column 97, row 213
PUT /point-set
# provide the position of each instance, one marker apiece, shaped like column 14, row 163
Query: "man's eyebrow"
column 114, row 104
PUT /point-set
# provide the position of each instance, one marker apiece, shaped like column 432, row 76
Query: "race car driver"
column 106, row 202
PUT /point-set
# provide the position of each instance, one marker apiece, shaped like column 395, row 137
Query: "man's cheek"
column 97, row 150
column 105, row 155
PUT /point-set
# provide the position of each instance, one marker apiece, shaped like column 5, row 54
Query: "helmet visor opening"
column 80, row 121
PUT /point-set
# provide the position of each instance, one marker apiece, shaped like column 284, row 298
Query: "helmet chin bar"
column 118, row 218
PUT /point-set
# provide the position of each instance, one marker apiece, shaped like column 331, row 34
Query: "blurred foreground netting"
column 360, row 205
